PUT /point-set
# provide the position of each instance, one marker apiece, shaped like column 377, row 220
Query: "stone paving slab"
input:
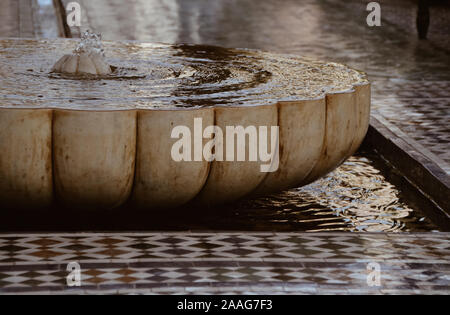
column 421, row 110
column 28, row 19
column 225, row 263
column 9, row 19
column 417, row 165
column 16, row 18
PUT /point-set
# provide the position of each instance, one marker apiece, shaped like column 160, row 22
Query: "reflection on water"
column 355, row 197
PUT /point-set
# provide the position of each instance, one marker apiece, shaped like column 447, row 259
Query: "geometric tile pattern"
column 410, row 89
column 421, row 109
column 225, row 263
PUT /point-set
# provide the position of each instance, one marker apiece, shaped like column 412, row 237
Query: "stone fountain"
column 97, row 134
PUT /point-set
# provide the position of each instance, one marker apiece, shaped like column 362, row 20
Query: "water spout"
column 87, row 58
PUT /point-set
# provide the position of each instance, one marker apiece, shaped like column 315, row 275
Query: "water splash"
column 91, row 43
column 88, row 58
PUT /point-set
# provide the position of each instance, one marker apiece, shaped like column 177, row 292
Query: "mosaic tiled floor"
column 421, row 110
column 411, row 84
column 225, row 263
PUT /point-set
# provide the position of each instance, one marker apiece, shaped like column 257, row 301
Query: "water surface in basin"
column 164, row 76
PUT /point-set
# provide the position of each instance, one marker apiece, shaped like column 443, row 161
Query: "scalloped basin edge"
column 105, row 159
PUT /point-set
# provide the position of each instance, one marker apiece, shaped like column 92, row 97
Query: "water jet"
column 87, row 58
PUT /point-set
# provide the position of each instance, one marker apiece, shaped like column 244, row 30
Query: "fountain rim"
column 171, row 109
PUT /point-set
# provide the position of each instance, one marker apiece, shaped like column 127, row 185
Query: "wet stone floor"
column 410, row 91
column 233, row 250
column 226, row 263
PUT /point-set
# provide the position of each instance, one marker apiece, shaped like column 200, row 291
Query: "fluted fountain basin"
column 104, row 141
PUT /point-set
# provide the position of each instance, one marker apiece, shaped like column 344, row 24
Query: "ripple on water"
column 164, row 76
column 355, row 197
